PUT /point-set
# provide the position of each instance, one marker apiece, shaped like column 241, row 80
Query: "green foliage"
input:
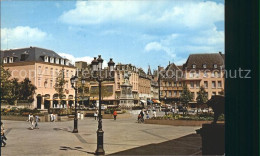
column 27, row 90
column 60, row 83
column 186, row 96
column 202, row 97
column 198, row 117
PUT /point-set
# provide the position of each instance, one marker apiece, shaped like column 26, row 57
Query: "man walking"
column 36, row 121
column 115, row 114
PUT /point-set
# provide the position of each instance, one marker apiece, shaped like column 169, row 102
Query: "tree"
column 27, row 90
column 7, row 86
column 202, row 97
column 59, row 84
column 186, row 96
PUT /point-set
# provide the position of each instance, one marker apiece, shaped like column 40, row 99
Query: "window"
column 170, row 93
column 51, row 72
column 193, row 66
column 51, row 60
column 39, row 82
column 205, row 74
column 45, row 83
column 206, row 84
column 71, row 72
column 175, row 84
column 61, row 61
column 51, row 83
column 46, row 59
column 204, row 66
column 213, row 84
column 179, row 93
column 191, row 84
column 5, row 60
column 215, row 65
column 170, row 84
column 175, row 93
column 179, row 84
column 197, row 84
column 39, row 69
column 197, row 74
column 212, row 74
column 11, row 60
column 191, row 74
column 46, row 71
column 57, row 61
column 219, row 84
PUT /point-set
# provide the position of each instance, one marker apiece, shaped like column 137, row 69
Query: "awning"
column 150, row 101
column 143, row 101
column 93, row 98
column 156, row 101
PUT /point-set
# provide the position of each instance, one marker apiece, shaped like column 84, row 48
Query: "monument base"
column 213, row 139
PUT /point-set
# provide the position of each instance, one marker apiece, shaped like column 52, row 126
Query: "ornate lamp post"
column 165, row 105
column 97, row 68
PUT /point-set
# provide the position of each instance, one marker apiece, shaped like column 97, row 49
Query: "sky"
column 140, row 32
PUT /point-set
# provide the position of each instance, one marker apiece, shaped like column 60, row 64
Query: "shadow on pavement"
column 80, row 149
column 186, row 145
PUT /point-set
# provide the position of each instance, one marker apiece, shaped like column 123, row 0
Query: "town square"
column 113, row 78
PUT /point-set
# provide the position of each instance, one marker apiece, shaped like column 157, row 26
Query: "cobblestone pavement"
column 121, row 137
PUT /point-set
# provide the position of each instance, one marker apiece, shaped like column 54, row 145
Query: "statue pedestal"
column 126, row 97
column 213, row 139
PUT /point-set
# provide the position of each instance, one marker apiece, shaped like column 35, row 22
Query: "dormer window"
column 194, row 66
column 215, row 65
column 66, row 62
column 57, row 61
column 61, row 61
column 5, row 60
column 11, row 59
column 51, row 60
column 46, row 59
column 204, row 66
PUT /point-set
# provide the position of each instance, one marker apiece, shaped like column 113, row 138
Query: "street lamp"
column 73, row 81
column 97, row 68
column 165, row 105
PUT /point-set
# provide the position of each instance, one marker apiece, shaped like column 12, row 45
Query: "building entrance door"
column 39, row 102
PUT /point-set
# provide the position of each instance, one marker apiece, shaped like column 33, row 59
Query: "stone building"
column 41, row 66
column 205, row 70
column 171, row 83
column 144, row 89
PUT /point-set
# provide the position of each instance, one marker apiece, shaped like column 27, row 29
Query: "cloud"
column 21, row 36
column 155, row 46
column 175, row 14
column 87, row 59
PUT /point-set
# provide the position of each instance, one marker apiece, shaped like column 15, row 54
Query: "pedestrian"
column 51, row 117
column 142, row 114
column 115, row 114
column 3, row 135
column 95, row 115
column 147, row 115
column 37, row 119
column 172, row 110
column 31, row 120
column 54, row 117
column 154, row 113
